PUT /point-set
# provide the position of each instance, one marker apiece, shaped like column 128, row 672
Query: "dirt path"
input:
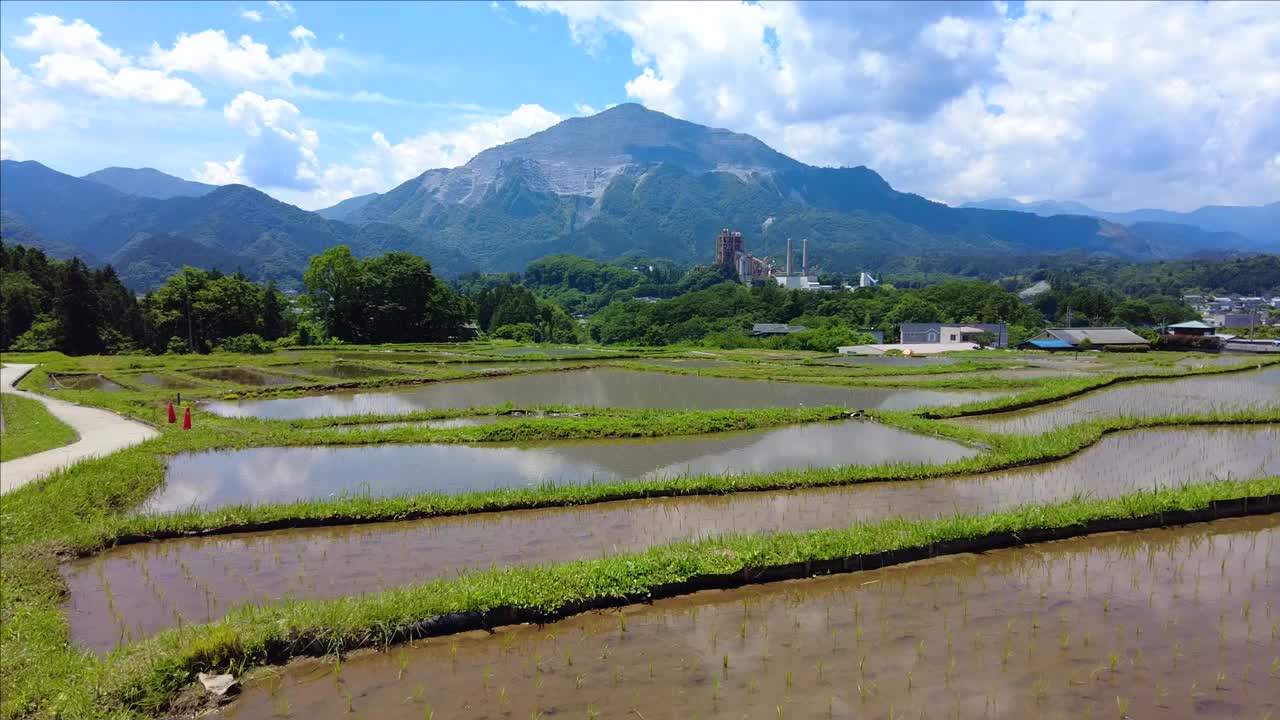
column 102, row 432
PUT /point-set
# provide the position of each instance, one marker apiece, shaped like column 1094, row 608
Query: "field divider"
column 148, row 674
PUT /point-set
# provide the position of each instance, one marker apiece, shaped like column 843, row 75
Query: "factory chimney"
column 788, row 257
column 804, row 257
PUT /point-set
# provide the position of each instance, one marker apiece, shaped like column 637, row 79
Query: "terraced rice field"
column 371, row 552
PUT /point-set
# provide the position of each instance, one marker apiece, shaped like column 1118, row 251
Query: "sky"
column 1117, row 105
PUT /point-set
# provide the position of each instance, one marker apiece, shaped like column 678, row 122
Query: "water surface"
column 1173, row 624
column 165, row 381
column 344, row 370
column 262, row 475
column 81, row 382
column 135, row 590
column 243, row 376
column 595, row 387
column 1194, row 395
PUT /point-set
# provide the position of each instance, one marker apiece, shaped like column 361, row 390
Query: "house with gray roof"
column 1101, row 338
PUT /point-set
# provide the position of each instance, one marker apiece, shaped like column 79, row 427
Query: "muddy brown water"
column 1173, row 623
column 344, row 371
column 134, row 590
column 597, row 387
column 81, row 382
column 1259, row 389
column 243, row 376
column 261, row 475
column 166, row 381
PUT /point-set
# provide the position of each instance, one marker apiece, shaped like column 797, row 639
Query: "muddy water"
column 1172, row 624
column 344, row 371
column 243, row 376
column 166, row 382
column 261, row 475
column 598, row 387
column 1232, row 392
column 81, row 382
column 154, row 584
column 692, row 363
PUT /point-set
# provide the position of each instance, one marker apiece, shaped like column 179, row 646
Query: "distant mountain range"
column 148, row 183
column 1259, row 223
column 625, row 182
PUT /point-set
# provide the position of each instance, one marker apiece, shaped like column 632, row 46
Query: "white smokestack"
column 804, row 257
column 788, row 257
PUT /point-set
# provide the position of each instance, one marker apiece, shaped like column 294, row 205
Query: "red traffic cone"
column 173, row 418
column 186, row 420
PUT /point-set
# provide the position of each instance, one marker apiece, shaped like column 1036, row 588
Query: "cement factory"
column 731, row 251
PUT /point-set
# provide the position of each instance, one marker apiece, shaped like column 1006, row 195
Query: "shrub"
column 176, row 346
column 248, row 344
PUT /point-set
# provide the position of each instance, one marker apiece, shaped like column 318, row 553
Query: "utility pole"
column 191, row 341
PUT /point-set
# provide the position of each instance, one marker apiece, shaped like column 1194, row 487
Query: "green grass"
column 86, row 508
column 144, row 676
column 30, row 428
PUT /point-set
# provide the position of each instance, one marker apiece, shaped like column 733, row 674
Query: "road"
column 102, row 432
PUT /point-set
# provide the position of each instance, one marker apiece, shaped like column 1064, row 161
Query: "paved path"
column 102, row 432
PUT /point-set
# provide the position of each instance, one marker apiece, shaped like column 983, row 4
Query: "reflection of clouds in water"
column 596, row 388
column 260, row 475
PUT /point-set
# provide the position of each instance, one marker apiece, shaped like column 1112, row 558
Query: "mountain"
column 14, row 231
column 345, row 208
column 627, row 182
column 232, row 226
column 1260, row 224
column 148, row 182
column 634, row 181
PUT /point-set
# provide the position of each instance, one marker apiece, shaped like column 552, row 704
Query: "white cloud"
column 75, row 58
column 301, row 34
column 1121, row 104
column 128, row 83
column 283, row 9
column 209, row 54
column 230, row 172
column 9, row 151
column 252, row 15
column 50, row 34
column 443, row 149
column 377, row 168
column 281, row 151
column 22, row 105
column 584, row 109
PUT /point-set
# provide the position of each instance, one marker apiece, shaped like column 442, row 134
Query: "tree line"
column 65, row 305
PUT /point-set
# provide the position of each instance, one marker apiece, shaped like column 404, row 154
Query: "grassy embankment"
column 30, row 428
column 85, row 509
column 143, row 677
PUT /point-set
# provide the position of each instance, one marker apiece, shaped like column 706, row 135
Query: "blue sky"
column 1116, row 105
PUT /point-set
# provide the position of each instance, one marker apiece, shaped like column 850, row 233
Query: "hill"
column 1258, row 224
column 232, row 226
column 344, row 209
column 626, row 182
column 148, row 182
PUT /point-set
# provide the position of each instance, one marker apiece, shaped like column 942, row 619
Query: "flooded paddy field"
column 693, row 363
column 243, row 376
column 1172, row 623
column 165, row 381
column 81, row 382
column 890, row 361
column 564, row 352
column 596, row 387
column 259, row 475
column 343, row 370
column 1231, row 392
column 134, row 590
column 444, row 424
